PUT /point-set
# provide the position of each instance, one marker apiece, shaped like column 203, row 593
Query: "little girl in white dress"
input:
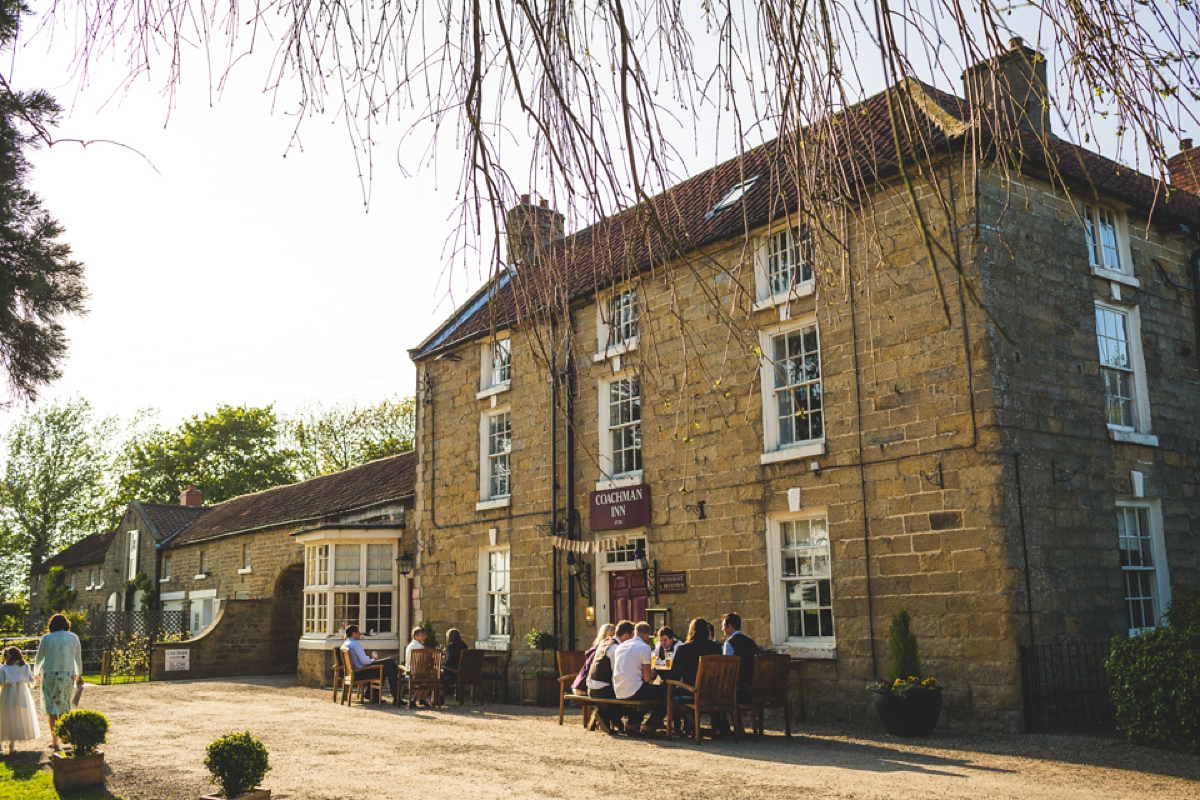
column 18, row 715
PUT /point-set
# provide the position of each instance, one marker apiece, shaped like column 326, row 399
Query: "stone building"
column 996, row 431
column 84, row 563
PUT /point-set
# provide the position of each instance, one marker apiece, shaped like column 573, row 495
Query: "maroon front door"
column 627, row 595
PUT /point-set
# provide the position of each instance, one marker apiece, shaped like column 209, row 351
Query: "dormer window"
column 732, row 196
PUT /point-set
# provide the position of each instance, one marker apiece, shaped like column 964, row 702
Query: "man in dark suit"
column 740, row 645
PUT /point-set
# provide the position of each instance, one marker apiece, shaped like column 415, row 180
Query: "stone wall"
column 235, row 644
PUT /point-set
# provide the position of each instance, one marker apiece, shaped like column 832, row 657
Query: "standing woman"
column 59, row 664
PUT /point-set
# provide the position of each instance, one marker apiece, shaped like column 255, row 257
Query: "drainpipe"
column 568, row 377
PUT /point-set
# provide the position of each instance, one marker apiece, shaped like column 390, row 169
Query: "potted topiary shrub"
column 908, row 702
column 238, row 762
column 539, row 685
column 82, row 765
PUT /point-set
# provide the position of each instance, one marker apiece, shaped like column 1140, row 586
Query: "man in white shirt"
column 358, row 657
column 632, row 676
column 417, row 643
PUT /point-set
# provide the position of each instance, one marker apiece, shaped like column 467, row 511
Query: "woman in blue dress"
column 59, row 666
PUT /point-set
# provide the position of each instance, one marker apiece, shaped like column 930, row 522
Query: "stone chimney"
column 531, row 230
column 191, row 497
column 1185, row 167
column 1012, row 86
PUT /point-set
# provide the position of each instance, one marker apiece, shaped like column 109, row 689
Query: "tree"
column 59, row 595
column 232, row 452
column 337, row 437
column 54, row 488
column 39, row 281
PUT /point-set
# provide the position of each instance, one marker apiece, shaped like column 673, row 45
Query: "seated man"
column 360, row 661
column 632, row 676
column 740, row 645
column 417, row 643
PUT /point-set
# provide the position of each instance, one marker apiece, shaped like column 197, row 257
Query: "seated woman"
column 451, row 656
column 607, row 630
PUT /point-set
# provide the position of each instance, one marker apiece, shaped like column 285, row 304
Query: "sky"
column 228, row 262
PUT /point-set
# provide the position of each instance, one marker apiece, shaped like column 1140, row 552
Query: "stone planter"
column 539, row 690
column 76, row 772
column 914, row 714
column 253, row 794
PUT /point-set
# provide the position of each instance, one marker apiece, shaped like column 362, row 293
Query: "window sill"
column 1132, row 437
column 493, row 643
column 244, row 571
column 824, row 651
column 199, row 577
column 160, row 580
column 616, row 350
column 487, row 505
column 493, row 390
column 802, row 290
column 619, row 482
column 1114, row 275
column 816, row 448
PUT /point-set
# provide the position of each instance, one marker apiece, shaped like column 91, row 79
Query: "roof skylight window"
column 733, row 196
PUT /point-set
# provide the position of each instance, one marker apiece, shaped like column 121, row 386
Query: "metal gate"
column 1065, row 688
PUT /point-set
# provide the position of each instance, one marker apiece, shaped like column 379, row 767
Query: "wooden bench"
column 589, row 705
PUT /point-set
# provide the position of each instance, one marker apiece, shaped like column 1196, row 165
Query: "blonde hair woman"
column 607, row 631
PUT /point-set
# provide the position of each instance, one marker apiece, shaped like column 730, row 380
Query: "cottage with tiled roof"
column 239, row 565
column 84, row 563
column 693, row 421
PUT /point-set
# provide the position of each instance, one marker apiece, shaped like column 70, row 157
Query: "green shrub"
column 237, row 762
column 902, row 645
column 84, row 730
column 431, row 639
column 541, row 640
column 1156, row 687
column 131, row 658
column 1184, row 610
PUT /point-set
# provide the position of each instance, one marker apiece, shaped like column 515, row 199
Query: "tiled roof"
column 169, row 520
column 619, row 247
column 88, row 550
column 380, row 481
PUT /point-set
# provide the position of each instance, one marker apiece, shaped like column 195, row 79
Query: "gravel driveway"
column 320, row 749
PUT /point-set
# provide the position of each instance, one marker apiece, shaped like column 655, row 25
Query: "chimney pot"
column 1185, row 145
column 1016, row 43
column 524, row 199
column 191, row 497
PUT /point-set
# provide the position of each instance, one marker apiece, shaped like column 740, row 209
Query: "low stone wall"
column 238, row 642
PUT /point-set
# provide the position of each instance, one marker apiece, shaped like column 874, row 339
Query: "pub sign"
column 615, row 509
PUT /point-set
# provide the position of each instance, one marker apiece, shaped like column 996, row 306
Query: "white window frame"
column 609, row 480
column 91, row 584
column 488, row 460
column 202, row 567
column 500, row 640
column 1095, row 218
column 773, row 451
column 71, row 580
column 132, row 556
column 490, row 382
column 608, row 308
column 246, row 568
column 823, row 647
column 320, row 587
column 166, row 576
column 736, row 193
column 766, row 296
column 1161, row 585
column 1139, row 431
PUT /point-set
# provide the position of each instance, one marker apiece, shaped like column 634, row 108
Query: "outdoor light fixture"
column 583, row 576
column 404, row 564
column 648, row 568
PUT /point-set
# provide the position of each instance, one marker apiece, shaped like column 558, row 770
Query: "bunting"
column 590, row 547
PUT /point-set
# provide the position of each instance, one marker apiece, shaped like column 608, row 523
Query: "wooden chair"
column 468, row 674
column 715, row 692
column 368, row 679
column 769, row 690
column 338, row 672
column 497, row 670
column 569, row 664
column 425, row 675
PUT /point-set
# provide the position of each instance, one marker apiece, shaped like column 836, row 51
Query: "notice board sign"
column 672, row 582
column 614, row 509
column 179, row 660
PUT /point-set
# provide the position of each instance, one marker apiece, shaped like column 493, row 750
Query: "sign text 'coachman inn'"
column 627, row 507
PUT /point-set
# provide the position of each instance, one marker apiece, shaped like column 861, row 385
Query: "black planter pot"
column 915, row 714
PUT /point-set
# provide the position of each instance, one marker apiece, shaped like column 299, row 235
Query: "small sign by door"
column 672, row 582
